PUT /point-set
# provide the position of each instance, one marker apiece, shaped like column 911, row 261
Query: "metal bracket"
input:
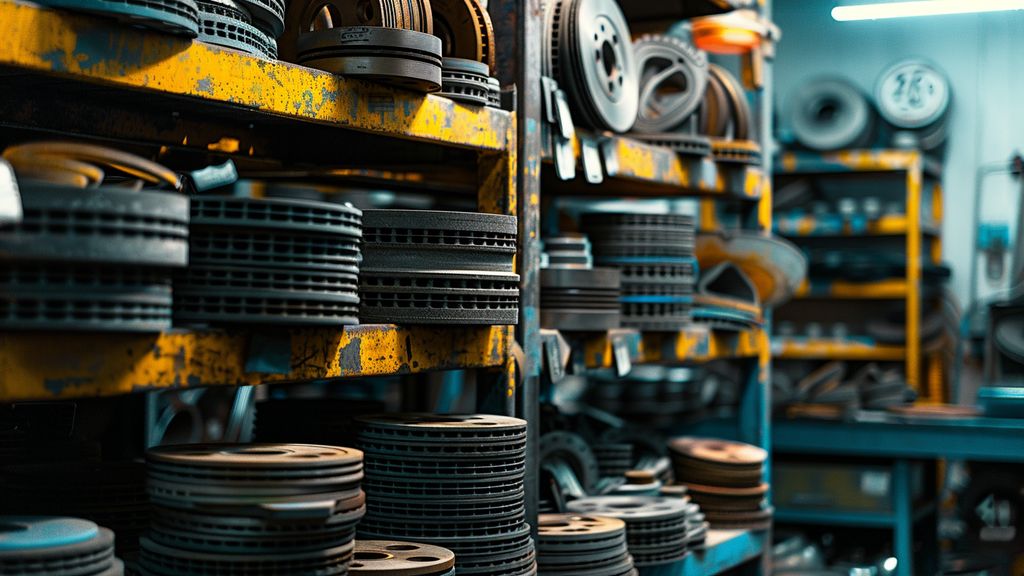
column 591, row 156
column 556, row 354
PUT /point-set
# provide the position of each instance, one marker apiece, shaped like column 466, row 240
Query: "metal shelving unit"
column 920, row 225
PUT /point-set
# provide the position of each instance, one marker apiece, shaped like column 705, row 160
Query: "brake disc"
column 391, row 558
column 403, row 58
column 267, row 16
column 162, row 560
column 680, row 142
column 673, row 77
column 55, row 545
column 465, row 81
column 174, row 16
column 592, row 58
column 656, row 526
column 571, row 545
column 580, row 299
column 222, row 26
column 455, row 481
column 831, row 114
column 465, row 29
column 304, row 16
column 912, row 95
column 736, row 151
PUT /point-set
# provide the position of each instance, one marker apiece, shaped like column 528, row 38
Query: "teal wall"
column 983, row 55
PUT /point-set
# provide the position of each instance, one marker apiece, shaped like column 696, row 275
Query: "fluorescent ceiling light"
column 878, row 11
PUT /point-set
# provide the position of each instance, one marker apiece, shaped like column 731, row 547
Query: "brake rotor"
column 161, row 560
column 55, row 546
column 227, row 23
column 573, row 544
column 465, row 29
column 267, row 15
column 592, row 58
column 736, row 151
column 455, row 481
column 655, row 525
column 673, row 77
column 390, row 558
column 403, row 58
column 613, row 459
column 913, row 95
column 465, row 81
column 719, row 452
column 580, row 299
column 680, row 142
column 831, row 114
column 173, row 16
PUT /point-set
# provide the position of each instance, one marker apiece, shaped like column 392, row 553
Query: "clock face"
column 912, row 95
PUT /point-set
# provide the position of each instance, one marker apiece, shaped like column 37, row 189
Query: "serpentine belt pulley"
column 673, row 77
column 455, row 481
column 590, row 54
column 271, row 261
column 434, row 267
column 402, row 58
column 465, row 29
column 913, row 95
column 831, row 114
column 174, row 16
column 725, row 112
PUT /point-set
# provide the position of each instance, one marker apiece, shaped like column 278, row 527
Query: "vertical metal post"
column 518, row 27
column 903, row 509
column 913, row 272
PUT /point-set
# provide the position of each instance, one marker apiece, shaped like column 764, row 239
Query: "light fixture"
column 884, row 10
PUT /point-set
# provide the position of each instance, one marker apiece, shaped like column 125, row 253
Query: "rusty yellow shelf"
column 99, row 51
column 67, row 365
column 892, row 289
column 881, row 160
column 696, row 344
column 639, row 169
column 826, row 349
column 810, row 227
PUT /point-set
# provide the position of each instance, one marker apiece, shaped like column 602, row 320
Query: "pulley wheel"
column 830, row 114
column 673, row 77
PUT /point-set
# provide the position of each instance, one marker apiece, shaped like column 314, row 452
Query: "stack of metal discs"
column 251, row 26
column 172, row 16
column 403, row 58
column 725, row 479
column 697, row 525
column 655, row 255
column 279, row 262
column 51, row 545
column 248, row 509
column 588, row 51
column 573, row 545
column 574, row 296
column 465, row 81
column 656, row 526
column 111, row 494
column 455, row 481
column 493, row 92
column 613, row 459
column 432, row 267
column 392, row 558
column 89, row 255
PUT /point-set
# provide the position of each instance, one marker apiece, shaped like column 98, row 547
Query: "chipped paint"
column 106, row 364
column 98, row 50
column 692, row 345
